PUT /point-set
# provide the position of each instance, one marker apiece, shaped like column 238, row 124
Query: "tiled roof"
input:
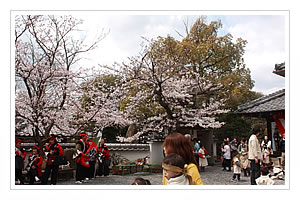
column 280, row 69
column 267, row 103
column 128, row 147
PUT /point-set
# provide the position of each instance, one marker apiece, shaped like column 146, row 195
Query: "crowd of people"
column 183, row 160
column 251, row 157
column 86, row 155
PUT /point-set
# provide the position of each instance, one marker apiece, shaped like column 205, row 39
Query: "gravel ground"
column 213, row 175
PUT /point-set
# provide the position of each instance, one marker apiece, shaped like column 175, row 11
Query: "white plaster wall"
column 156, row 152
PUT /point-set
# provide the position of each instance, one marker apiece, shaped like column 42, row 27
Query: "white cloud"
column 125, row 34
column 264, row 33
column 265, row 47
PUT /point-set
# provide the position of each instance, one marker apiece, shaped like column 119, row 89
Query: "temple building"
column 271, row 107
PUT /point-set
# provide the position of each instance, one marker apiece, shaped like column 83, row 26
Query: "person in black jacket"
column 54, row 152
column 282, row 149
column 104, row 160
column 20, row 155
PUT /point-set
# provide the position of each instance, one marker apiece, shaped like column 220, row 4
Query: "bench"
column 126, row 166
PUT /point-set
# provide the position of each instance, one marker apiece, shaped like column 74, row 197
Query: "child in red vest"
column 104, row 160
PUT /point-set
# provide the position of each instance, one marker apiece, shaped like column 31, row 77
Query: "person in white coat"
column 227, row 157
column 254, row 155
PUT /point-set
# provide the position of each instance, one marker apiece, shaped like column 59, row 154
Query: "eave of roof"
column 280, row 72
column 268, row 103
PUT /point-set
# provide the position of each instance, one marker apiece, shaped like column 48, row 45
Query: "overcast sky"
column 267, row 38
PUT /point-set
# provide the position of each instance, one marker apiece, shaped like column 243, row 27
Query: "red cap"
column 18, row 141
column 51, row 138
column 37, row 148
column 83, row 134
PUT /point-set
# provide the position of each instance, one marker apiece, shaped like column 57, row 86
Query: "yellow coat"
column 192, row 170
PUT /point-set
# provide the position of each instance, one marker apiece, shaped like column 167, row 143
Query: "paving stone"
column 213, row 175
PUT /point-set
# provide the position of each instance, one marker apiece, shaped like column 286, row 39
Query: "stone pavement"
column 213, row 175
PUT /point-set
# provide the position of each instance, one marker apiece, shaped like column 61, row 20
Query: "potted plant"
column 117, row 159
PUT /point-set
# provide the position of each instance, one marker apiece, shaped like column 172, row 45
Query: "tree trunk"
column 132, row 130
column 40, row 142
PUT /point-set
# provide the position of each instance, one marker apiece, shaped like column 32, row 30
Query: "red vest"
column 57, row 151
column 104, row 150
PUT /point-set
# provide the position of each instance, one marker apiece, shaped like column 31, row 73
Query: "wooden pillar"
column 210, row 148
column 269, row 129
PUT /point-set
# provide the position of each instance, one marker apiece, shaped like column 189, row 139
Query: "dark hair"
column 141, row 181
column 175, row 160
column 264, row 171
column 177, row 143
column 270, row 166
column 256, row 129
column 37, row 148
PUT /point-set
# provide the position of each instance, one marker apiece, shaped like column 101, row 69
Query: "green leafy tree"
column 220, row 60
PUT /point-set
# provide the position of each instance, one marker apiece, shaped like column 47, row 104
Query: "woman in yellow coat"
column 177, row 143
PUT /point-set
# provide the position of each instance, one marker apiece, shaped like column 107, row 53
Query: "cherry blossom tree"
column 46, row 51
column 188, row 82
column 100, row 103
column 164, row 94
